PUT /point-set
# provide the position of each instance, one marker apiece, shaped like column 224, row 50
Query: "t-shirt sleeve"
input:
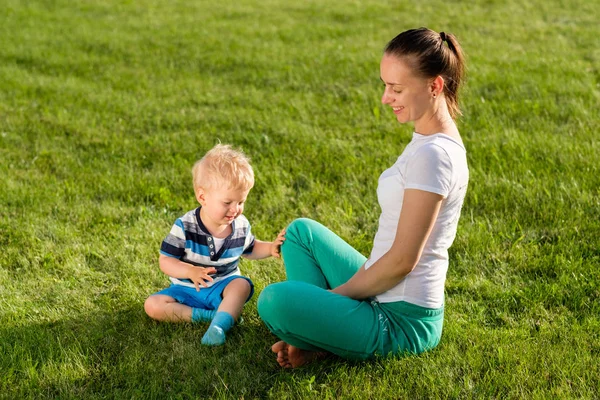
column 430, row 169
column 249, row 243
column 174, row 244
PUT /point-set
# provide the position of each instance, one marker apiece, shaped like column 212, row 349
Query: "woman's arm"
column 179, row 269
column 419, row 212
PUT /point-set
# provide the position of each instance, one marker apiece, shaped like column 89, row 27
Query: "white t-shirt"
column 433, row 163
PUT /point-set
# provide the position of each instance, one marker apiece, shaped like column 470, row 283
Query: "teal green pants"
column 302, row 312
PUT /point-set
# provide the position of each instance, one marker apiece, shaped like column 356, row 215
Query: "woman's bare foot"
column 289, row 356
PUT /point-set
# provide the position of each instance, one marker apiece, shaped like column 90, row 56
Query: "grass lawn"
column 105, row 105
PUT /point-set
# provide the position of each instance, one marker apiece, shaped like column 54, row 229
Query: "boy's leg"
column 166, row 308
column 235, row 295
column 314, row 254
column 311, row 318
column 178, row 304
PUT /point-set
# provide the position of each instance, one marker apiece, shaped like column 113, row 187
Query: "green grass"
column 105, row 105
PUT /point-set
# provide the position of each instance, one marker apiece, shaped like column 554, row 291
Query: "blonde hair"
column 223, row 166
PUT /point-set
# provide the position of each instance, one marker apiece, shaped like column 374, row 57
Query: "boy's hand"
column 276, row 244
column 199, row 275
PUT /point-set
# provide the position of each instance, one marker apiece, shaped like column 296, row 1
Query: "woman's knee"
column 285, row 300
column 294, row 228
column 299, row 232
column 271, row 301
column 301, row 225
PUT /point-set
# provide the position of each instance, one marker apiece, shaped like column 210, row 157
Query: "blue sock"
column 202, row 315
column 215, row 334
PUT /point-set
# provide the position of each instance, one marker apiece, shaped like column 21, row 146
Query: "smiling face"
column 409, row 95
column 220, row 206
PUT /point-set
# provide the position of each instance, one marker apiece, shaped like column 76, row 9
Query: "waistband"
column 411, row 310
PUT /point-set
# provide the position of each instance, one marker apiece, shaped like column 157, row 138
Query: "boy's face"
column 221, row 205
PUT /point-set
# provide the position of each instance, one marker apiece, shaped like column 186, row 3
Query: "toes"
column 282, row 356
column 279, row 346
column 285, row 354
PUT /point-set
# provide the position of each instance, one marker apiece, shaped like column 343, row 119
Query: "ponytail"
column 432, row 58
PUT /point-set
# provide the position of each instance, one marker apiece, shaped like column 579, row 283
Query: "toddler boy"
column 201, row 253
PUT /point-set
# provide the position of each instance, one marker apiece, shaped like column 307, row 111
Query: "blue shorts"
column 207, row 298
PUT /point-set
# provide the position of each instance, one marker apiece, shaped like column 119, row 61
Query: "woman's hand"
column 276, row 244
column 417, row 217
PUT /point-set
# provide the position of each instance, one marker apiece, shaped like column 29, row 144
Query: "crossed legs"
column 311, row 320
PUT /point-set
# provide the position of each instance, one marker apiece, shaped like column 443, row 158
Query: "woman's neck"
column 438, row 121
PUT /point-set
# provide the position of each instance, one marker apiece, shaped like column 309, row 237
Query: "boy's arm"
column 265, row 249
column 179, row 269
column 260, row 250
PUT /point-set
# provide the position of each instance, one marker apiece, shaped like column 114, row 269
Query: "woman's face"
column 409, row 95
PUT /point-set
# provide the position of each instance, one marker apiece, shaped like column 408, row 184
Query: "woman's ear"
column 437, row 86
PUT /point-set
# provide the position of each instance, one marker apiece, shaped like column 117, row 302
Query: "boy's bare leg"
column 166, row 308
column 289, row 356
column 234, row 297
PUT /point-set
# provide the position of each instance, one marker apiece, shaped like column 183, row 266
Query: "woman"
column 337, row 301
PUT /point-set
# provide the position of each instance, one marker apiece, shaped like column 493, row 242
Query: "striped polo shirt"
column 190, row 242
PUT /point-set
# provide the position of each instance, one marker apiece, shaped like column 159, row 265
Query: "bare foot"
column 289, row 356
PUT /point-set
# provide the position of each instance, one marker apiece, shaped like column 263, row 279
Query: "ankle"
column 202, row 315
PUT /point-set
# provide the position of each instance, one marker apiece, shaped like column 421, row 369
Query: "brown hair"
column 426, row 52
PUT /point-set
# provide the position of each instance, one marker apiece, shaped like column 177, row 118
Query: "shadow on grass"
column 126, row 355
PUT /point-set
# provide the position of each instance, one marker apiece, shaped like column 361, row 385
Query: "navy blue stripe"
column 249, row 249
column 197, row 264
column 222, row 270
column 236, row 243
column 170, row 249
column 196, row 237
column 203, row 239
